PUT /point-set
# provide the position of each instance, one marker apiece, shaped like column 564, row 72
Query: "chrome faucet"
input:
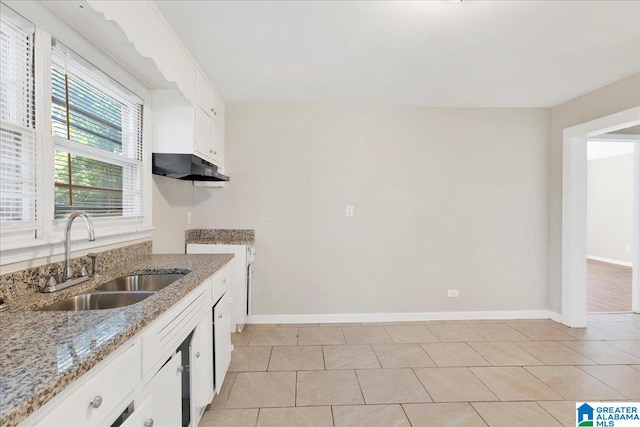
column 52, row 284
column 68, row 272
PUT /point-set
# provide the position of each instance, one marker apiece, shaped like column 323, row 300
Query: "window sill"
column 34, row 249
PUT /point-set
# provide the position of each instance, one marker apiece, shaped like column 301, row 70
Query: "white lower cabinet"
column 142, row 416
column 123, row 390
column 106, row 391
column 222, row 339
column 162, row 396
column 201, row 369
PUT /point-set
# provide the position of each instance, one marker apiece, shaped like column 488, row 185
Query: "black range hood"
column 185, row 166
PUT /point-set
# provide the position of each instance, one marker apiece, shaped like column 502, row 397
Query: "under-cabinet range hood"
column 185, row 166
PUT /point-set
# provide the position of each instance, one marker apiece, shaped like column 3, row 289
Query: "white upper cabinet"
column 190, row 120
column 203, row 140
column 209, row 122
column 208, row 100
column 181, row 127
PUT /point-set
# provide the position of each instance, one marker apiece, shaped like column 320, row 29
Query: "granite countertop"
column 42, row 352
column 220, row 237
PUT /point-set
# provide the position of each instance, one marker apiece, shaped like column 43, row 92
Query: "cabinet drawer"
column 100, row 395
column 221, row 283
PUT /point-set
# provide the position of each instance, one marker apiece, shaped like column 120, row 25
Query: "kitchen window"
column 18, row 143
column 71, row 139
column 97, row 135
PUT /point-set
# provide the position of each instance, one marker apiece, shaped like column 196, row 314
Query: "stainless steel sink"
column 141, row 282
column 98, row 301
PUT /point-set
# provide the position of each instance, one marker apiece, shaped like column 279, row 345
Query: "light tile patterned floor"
column 457, row 373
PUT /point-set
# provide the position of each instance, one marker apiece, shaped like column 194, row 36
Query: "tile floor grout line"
column 295, row 394
column 355, row 372
column 269, row 361
column 413, row 371
column 543, row 363
column 428, row 357
column 470, row 403
column 545, row 409
column 344, row 338
column 576, row 351
column 622, row 349
column 405, row 413
column 602, row 382
column 324, row 362
column 333, row 418
column 482, row 382
column 373, row 350
column 560, row 366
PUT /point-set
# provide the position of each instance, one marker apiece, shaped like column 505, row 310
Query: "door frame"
column 574, row 213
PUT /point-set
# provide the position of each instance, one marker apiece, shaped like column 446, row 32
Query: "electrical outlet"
column 349, row 210
column 627, row 247
column 453, row 293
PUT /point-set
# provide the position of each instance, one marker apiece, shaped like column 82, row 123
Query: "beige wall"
column 611, row 99
column 172, row 200
column 610, row 207
column 443, row 198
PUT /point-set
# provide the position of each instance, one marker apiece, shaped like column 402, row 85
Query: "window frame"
column 18, row 246
column 127, row 159
column 25, row 228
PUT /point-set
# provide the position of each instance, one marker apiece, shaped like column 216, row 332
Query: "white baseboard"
column 400, row 317
column 556, row 317
column 610, row 261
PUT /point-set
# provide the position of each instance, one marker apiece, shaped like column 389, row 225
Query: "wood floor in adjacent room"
column 608, row 287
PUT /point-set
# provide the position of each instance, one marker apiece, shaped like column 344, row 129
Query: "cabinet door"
column 143, row 417
column 217, row 110
column 222, row 338
column 203, row 144
column 201, row 357
column 204, row 94
column 165, row 391
column 217, row 135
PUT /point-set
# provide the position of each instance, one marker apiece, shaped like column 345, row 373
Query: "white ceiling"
column 604, row 149
column 430, row 53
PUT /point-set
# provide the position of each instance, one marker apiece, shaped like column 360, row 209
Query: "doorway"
column 574, row 213
column 610, row 164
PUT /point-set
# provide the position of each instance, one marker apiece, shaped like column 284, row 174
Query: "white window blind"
column 97, row 130
column 18, row 146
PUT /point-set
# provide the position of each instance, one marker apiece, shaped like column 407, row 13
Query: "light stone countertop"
column 42, row 352
column 220, row 237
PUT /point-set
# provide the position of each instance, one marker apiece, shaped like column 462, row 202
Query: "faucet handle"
column 94, row 263
column 51, row 285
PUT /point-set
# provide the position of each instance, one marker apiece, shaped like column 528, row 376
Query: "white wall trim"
column 401, row 317
column 616, row 137
column 610, row 261
column 574, row 212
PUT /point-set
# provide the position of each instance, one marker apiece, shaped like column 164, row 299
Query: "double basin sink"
column 119, row 292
